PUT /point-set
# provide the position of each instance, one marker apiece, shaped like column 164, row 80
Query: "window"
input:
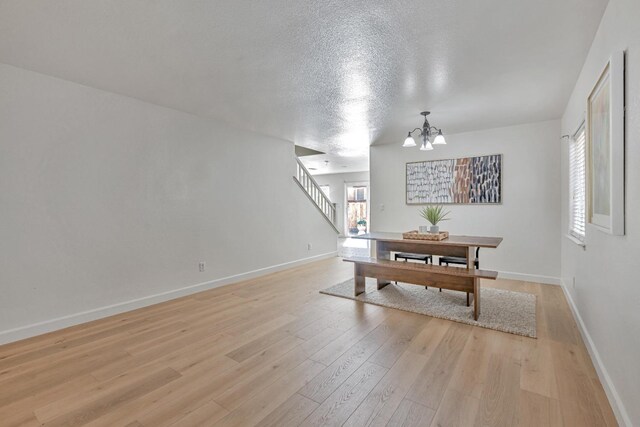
column 357, row 194
column 577, row 190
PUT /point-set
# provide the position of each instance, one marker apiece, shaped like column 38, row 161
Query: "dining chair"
column 459, row 259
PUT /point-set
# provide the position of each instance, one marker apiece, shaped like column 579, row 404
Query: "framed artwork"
column 605, row 148
column 468, row 180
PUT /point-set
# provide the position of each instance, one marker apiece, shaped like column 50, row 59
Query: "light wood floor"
column 275, row 352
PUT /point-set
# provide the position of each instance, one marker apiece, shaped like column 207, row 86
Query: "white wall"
column 106, row 199
column 528, row 217
column 336, row 182
column 607, row 289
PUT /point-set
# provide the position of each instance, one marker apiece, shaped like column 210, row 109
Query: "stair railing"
column 315, row 193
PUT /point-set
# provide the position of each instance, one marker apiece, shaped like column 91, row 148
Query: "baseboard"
column 40, row 328
column 612, row 394
column 549, row 280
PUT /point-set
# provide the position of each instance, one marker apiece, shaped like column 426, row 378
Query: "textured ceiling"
column 335, row 76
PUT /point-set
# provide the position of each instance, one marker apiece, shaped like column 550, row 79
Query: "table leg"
column 382, row 253
column 471, row 257
column 359, row 281
column 476, row 298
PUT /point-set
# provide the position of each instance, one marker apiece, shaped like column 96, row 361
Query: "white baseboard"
column 549, row 280
column 40, row 328
column 612, row 394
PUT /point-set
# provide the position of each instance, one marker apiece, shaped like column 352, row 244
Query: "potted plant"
column 362, row 226
column 434, row 214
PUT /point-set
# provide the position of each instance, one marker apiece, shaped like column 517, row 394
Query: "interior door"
column 357, row 209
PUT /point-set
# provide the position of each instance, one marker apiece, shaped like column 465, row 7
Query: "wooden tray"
column 416, row 235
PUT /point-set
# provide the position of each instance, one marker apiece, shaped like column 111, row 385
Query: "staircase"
column 311, row 188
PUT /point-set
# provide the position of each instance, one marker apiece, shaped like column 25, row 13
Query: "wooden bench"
column 453, row 278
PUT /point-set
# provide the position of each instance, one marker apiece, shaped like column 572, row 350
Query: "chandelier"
column 425, row 132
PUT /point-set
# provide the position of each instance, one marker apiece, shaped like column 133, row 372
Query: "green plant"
column 434, row 214
column 362, row 222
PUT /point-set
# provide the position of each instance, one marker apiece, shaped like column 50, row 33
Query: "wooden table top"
column 475, row 241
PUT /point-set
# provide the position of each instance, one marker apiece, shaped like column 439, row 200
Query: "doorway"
column 357, row 208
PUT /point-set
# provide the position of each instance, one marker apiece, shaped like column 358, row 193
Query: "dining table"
column 454, row 245
column 452, row 278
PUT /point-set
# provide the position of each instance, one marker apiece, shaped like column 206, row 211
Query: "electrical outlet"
column 201, row 266
column 308, row 246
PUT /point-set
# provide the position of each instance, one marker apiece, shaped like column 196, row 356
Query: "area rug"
column 502, row 310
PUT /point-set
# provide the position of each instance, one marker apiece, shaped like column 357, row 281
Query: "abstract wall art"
column 469, row 180
column 605, row 142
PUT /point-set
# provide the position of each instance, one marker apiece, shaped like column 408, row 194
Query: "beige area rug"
column 502, row 310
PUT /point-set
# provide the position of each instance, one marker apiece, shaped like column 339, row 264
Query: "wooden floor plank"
column 69, row 357
column 27, row 419
column 335, row 374
column 38, row 353
column 471, row 371
column 180, row 408
column 426, row 342
column 24, row 386
column 384, row 399
column 167, row 403
column 219, row 383
column 558, row 321
column 500, row 397
column 255, row 346
column 328, row 354
column 315, row 344
column 291, row 413
column 204, row 416
column 19, row 411
column 267, row 400
column 432, row 381
column 239, row 355
column 537, row 374
column 409, row 414
column 109, row 402
column 337, row 407
column 603, row 403
column 456, row 410
column 533, row 410
column 555, row 414
column 578, row 399
column 244, row 389
column 171, row 356
column 398, row 342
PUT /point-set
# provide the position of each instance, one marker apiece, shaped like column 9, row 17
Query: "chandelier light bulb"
column 409, row 141
column 439, row 139
column 426, row 146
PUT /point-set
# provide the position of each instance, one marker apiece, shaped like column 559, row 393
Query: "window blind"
column 577, row 184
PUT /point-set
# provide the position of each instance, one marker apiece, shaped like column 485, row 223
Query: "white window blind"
column 577, row 184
